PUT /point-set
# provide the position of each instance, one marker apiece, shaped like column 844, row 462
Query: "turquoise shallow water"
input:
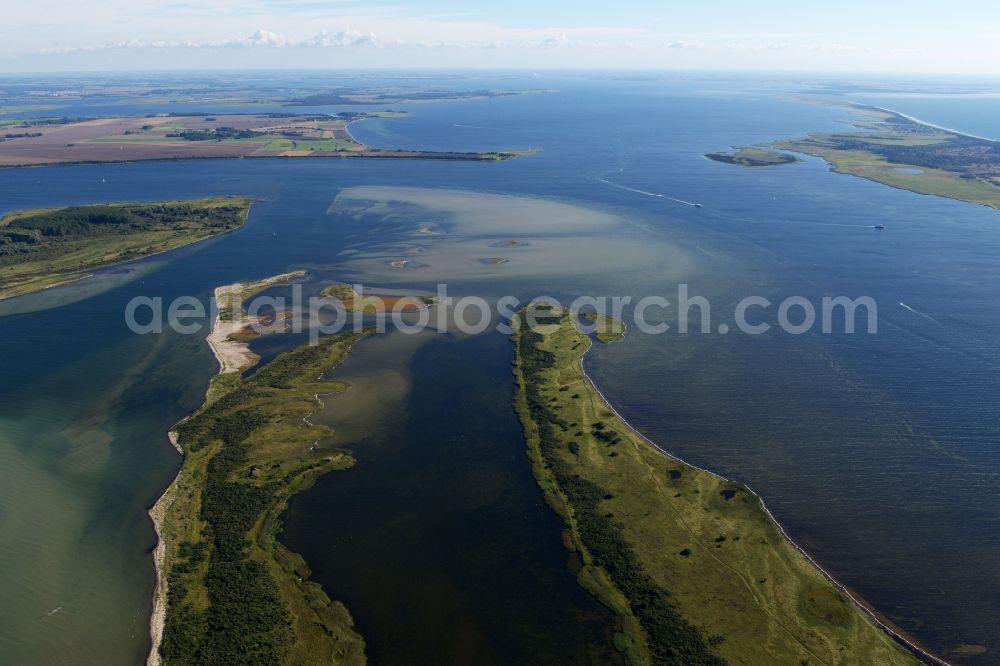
column 877, row 452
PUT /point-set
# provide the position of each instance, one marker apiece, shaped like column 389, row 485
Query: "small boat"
column 879, row 227
column 697, row 205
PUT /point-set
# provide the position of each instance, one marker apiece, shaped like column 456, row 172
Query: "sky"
column 846, row 36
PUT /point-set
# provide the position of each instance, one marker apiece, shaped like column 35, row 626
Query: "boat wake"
column 847, row 226
column 648, row 194
column 944, row 337
column 918, row 312
column 49, row 614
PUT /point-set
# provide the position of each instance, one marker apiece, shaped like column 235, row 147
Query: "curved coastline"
column 925, row 123
column 883, row 623
column 347, row 131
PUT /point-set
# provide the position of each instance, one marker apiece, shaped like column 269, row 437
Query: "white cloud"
column 350, row 38
column 261, row 39
column 684, row 44
column 341, row 38
column 555, row 42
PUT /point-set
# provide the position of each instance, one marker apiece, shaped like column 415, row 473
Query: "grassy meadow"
column 694, row 567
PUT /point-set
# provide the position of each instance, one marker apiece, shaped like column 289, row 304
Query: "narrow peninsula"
column 43, row 248
column 693, row 565
column 228, row 591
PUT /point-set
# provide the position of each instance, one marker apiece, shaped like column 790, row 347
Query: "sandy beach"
column 157, row 514
column 234, row 356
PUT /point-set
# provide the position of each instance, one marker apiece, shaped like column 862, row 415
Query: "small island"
column 42, row 248
column 372, row 303
column 692, row 564
column 753, row 157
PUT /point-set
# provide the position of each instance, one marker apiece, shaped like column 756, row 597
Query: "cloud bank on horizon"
column 53, row 35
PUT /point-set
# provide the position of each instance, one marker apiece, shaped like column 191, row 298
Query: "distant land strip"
column 42, row 141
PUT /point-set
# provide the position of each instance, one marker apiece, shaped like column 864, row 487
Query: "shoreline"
column 347, row 131
column 157, row 513
column 78, row 279
column 884, row 624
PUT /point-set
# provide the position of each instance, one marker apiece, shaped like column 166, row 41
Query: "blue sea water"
column 878, row 452
column 977, row 114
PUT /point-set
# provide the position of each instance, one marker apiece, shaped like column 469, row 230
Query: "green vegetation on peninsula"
column 692, row 564
column 234, row 594
column 41, row 248
column 902, row 152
